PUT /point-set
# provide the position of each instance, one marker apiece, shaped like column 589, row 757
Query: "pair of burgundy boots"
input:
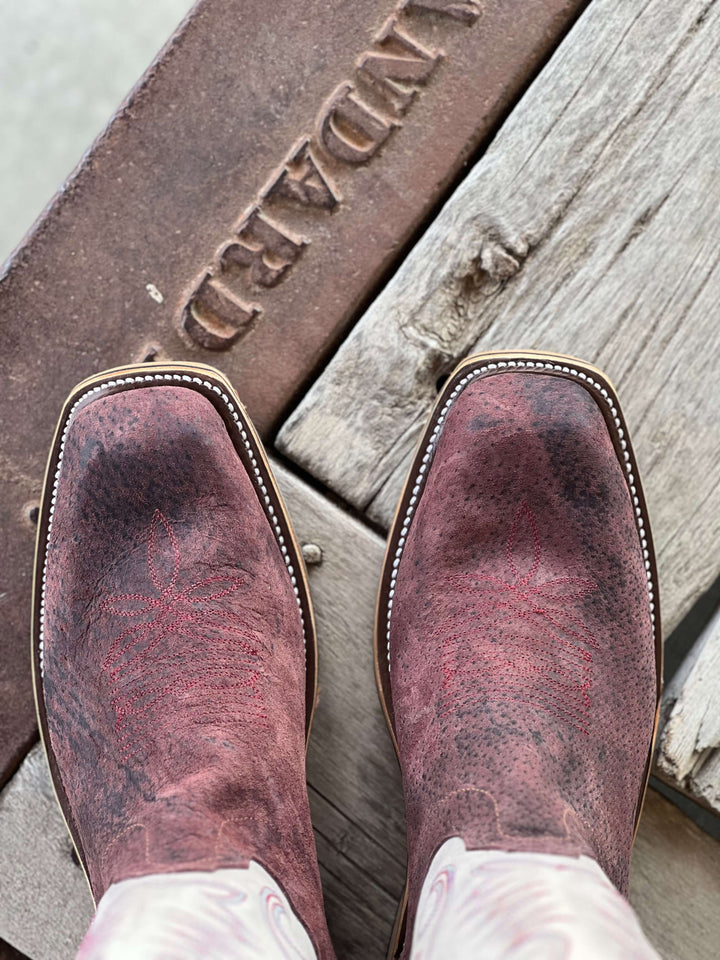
column 517, row 638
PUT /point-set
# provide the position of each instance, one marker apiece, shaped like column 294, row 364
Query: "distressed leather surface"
column 522, row 650
column 174, row 673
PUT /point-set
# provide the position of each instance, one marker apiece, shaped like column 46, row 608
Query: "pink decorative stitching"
column 526, row 513
column 550, row 667
column 140, row 658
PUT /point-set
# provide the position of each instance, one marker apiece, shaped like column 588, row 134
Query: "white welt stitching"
column 598, row 388
column 256, row 475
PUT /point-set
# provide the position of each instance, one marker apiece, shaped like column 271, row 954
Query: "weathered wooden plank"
column 675, row 883
column 688, row 755
column 356, row 873
column 355, row 794
column 590, row 227
column 359, row 913
column 45, row 903
column 351, row 761
column 361, row 848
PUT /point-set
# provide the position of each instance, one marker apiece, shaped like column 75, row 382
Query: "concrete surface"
column 65, row 65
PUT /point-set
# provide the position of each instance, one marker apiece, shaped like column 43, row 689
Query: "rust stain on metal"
column 242, row 205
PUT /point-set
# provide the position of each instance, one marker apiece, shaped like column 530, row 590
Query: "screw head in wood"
column 312, row 554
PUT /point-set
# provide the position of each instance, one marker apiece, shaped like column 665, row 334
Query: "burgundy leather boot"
column 174, row 653
column 517, row 639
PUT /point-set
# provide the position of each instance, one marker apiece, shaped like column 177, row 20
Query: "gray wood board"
column 590, row 227
column 355, row 795
column 675, row 883
column 45, row 902
column 688, row 755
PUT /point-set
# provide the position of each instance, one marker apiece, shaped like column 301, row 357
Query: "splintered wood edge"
column 688, row 755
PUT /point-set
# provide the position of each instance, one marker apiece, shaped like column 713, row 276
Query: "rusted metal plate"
column 244, row 203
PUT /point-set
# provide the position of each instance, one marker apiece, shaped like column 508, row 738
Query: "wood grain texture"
column 351, row 762
column 355, row 795
column 590, row 227
column 688, row 754
column 45, row 903
column 675, row 883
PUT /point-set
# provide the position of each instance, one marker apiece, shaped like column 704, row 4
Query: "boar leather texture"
column 174, row 665
column 522, row 652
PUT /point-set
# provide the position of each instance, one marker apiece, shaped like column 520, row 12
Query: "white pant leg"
column 493, row 905
column 223, row 914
